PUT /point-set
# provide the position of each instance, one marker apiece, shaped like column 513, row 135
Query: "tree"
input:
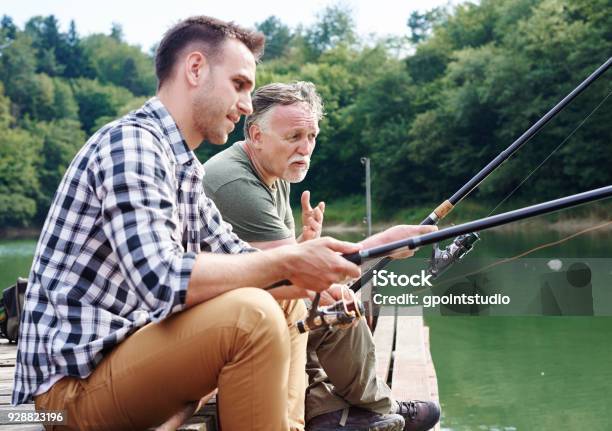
column 19, row 184
column 18, row 73
column 120, row 64
column 76, row 61
column 61, row 140
column 8, row 29
column 117, row 32
column 97, row 100
column 335, row 25
column 421, row 24
column 48, row 41
column 5, row 110
column 278, row 37
column 64, row 103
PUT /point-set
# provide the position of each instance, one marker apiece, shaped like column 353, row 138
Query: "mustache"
column 298, row 158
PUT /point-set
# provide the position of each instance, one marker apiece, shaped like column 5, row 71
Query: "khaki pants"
column 341, row 367
column 241, row 342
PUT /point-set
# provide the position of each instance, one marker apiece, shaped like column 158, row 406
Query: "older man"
column 136, row 304
column 249, row 183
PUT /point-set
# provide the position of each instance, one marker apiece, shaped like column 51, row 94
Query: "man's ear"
column 255, row 135
column 196, row 68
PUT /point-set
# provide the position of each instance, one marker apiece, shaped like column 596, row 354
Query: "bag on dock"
column 11, row 308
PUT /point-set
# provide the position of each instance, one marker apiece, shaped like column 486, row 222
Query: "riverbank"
column 11, row 233
column 561, row 226
column 348, row 216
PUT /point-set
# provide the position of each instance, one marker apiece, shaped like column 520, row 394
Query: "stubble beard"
column 208, row 117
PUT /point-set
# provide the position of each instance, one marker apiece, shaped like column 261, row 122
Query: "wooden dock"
column 404, row 358
column 402, row 354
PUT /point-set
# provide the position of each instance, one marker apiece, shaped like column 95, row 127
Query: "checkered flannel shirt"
column 117, row 248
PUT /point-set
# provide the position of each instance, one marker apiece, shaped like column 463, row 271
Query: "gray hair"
column 267, row 97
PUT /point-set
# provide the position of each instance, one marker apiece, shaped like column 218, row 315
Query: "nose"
column 305, row 147
column 245, row 106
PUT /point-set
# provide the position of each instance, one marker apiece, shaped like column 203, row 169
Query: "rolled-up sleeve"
column 136, row 187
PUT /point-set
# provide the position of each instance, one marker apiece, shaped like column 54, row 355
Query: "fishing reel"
column 341, row 314
column 441, row 260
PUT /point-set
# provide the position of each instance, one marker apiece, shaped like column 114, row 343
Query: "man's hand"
column 397, row 233
column 333, row 294
column 312, row 218
column 180, row 417
column 317, row 264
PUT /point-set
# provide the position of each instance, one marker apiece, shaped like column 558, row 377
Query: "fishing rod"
column 343, row 313
column 479, row 225
column 442, row 259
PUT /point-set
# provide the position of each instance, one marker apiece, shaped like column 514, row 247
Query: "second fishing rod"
column 344, row 312
column 447, row 206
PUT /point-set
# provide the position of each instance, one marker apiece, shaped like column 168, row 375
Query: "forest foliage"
column 429, row 108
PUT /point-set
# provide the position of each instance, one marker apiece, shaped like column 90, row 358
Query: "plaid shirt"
column 117, row 248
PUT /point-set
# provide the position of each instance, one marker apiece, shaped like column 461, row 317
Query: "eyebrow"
column 245, row 78
column 301, row 130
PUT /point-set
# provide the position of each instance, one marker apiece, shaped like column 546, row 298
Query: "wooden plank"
column 431, row 370
column 410, row 376
column 383, row 340
column 409, row 340
column 6, row 374
column 8, row 349
column 22, row 427
column 8, row 353
column 28, row 407
column 410, row 382
column 431, row 373
column 200, row 423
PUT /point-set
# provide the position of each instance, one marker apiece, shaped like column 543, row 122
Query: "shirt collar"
column 183, row 154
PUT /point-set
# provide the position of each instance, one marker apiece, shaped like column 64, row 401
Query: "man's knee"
column 257, row 310
column 294, row 309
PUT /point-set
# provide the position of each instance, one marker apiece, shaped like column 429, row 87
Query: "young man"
column 249, row 183
column 136, row 304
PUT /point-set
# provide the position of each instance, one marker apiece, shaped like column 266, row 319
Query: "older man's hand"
column 312, row 218
column 397, row 233
column 330, row 296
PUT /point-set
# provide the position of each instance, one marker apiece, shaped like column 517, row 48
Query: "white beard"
column 296, row 176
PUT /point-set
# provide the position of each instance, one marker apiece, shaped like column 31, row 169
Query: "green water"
column 499, row 373
column 15, row 260
column 524, row 373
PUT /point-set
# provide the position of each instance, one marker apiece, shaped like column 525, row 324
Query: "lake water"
column 500, row 373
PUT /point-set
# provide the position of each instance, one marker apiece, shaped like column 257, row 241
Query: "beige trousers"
column 241, row 342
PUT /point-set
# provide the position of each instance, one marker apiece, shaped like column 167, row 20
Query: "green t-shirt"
column 257, row 212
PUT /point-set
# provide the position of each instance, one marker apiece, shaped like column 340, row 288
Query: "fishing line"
column 551, row 154
column 525, row 253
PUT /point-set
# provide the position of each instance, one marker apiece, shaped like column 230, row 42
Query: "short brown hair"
column 210, row 33
column 268, row 96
